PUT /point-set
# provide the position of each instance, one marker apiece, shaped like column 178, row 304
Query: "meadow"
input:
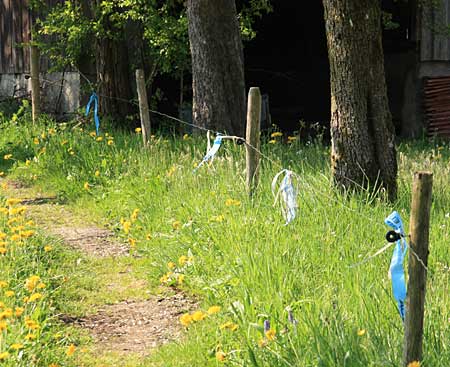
column 202, row 234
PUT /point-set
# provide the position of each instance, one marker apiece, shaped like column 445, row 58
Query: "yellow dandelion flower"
column 148, row 237
column 4, row 185
column 36, row 141
column 48, row 248
column 41, row 286
column 272, row 141
column 218, row 218
column 51, row 131
column 9, row 293
column 64, row 142
column 26, row 234
column 3, row 325
column 4, row 211
column 3, row 251
column 71, row 350
column 99, row 138
column 12, row 201
column 292, row 138
column 361, row 332
column 35, row 297
column 414, row 364
column 198, row 315
column 214, row 309
column 138, row 130
column 182, row 260
column 43, row 135
column 126, row 226
column 93, row 134
column 270, row 334
column 164, row 279
column 185, row 136
column 16, row 346
column 180, row 278
column 276, row 134
column 2, row 173
column 15, row 238
column 110, row 142
column 176, row 225
column 3, row 356
column 221, row 356
column 31, row 282
column 19, row 311
column 132, row 242
column 30, row 336
column 3, row 284
column 171, row 265
column 97, row 173
column 86, row 186
column 232, row 202
column 186, row 319
column 134, row 215
column 229, row 325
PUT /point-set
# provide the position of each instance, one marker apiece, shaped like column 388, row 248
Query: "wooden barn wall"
column 434, row 37
column 15, row 31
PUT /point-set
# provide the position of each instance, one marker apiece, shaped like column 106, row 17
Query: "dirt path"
column 128, row 326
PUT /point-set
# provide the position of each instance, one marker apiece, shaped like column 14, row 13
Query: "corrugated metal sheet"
column 437, row 105
column 435, row 41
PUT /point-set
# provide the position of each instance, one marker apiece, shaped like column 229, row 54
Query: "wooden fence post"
column 35, row 83
column 253, row 138
column 143, row 105
column 419, row 228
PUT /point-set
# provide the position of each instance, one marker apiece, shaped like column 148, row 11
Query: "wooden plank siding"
column 15, row 32
column 434, row 39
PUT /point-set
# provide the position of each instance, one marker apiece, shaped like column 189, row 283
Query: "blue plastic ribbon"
column 288, row 194
column 211, row 152
column 396, row 270
column 94, row 99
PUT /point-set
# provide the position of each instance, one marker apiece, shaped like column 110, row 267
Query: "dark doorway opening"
column 288, row 60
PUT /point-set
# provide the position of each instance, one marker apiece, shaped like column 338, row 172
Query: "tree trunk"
column 363, row 149
column 113, row 72
column 217, row 65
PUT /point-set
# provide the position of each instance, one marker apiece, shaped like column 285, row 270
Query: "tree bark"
column 217, row 65
column 363, row 149
column 113, row 72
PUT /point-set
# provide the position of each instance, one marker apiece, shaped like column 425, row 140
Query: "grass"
column 240, row 256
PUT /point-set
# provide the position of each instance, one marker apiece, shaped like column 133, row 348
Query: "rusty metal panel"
column 437, row 105
column 434, row 40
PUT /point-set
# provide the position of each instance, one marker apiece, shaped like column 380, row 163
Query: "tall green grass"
column 242, row 257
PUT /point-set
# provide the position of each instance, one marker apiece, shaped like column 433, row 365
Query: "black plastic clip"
column 393, row 236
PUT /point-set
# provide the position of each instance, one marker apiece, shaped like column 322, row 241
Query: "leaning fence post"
column 35, row 83
column 253, row 138
column 143, row 105
column 419, row 228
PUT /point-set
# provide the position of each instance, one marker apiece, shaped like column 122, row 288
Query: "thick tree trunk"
column 113, row 78
column 217, row 65
column 363, row 148
column 113, row 74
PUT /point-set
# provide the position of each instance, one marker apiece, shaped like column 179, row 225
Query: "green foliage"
column 240, row 256
column 67, row 34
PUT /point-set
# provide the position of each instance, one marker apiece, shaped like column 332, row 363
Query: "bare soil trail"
column 135, row 326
